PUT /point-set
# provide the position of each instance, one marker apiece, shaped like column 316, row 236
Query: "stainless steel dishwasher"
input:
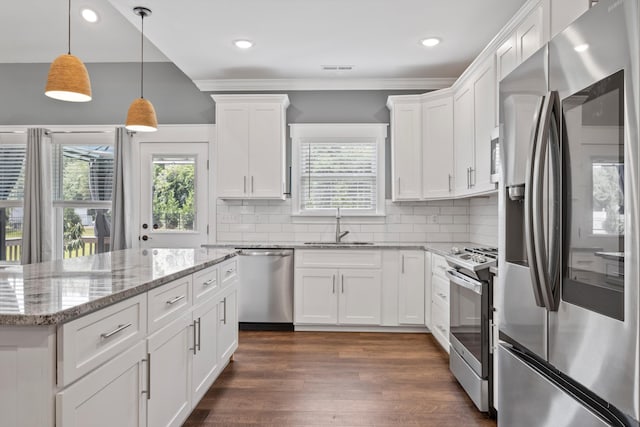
column 265, row 294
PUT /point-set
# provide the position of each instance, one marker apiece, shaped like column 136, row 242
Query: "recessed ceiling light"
column 243, row 44
column 430, row 42
column 89, row 15
column 581, row 47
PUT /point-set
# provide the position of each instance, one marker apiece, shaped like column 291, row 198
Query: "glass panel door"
column 593, row 188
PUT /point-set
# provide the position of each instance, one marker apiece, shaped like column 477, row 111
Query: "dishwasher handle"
column 248, row 252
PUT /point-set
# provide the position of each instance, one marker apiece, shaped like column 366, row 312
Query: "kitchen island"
column 132, row 337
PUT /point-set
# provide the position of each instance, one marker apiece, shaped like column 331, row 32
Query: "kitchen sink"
column 339, row 243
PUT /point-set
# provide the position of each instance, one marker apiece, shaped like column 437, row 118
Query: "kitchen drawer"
column 91, row 340
column 586, row 261
column 205, row 284
column 228, row 272
column 440, row 292
column 319, row 258
column 439, row 266
column 440, row 326
column 168, row 302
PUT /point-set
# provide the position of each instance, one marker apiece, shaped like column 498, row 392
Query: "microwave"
column 495, row 156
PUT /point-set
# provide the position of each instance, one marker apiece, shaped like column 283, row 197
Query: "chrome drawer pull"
column 208, row 282
column 175, row 300
column 115, row 331
column 229, row 271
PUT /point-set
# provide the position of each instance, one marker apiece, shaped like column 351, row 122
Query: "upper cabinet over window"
column 251, row 146
column 338, row 166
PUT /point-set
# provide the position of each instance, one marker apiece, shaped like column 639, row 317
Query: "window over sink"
column 338, row 166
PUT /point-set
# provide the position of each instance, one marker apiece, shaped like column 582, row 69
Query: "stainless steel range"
column 471, row 320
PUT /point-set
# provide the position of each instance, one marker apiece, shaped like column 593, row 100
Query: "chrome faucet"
column 339, row 235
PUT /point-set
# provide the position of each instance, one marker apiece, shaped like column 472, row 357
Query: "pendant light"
column 68, row 78
column 141, row 116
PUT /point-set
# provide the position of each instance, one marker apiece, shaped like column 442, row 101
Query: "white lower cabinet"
column 359, row 298
column 315, row 299
column 411, row 288
column 440, row 301
column 227, row 323
column 112, row 395
column 170, row 384
column 204, row 365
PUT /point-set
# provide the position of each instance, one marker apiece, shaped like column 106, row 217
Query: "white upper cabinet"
column 406, row 147
column 463, row 139
column 437, row 145
column 484, row 110
column 530, row 34
column 251, row 146
column 564, row 12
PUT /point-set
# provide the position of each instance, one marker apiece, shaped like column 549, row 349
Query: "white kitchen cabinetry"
column 427, row 289
column 440, row 301
column 484, row 111
column 205, row 349
column 530, row 35
column 251, row 146
column 227, row 323
column 170, row 383
column 437, row 145
column 406, row 147
column 338, row 287
column 463, row 139
column 112, row 395
column 411, row 288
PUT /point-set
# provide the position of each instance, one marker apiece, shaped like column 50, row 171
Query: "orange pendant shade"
column 68, row 80
column 141, row 116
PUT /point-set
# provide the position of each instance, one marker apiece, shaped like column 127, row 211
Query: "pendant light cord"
column 69, row 30
column 142, row 14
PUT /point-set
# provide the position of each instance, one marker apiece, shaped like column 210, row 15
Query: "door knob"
column 145, row 237
column 145, row 226
column 155, row 226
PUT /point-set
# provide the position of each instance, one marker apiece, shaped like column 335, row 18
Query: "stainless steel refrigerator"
column 569, row 246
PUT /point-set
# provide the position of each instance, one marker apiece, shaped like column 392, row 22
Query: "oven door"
column 469, row 321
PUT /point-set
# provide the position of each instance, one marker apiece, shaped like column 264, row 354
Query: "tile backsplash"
column 483, row 220
column 271, row 221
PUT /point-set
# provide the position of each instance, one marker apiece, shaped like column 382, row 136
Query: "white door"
column 359, row 301
column 411, row 288
column 315, row 295
column 174, row 192
column 169, row 351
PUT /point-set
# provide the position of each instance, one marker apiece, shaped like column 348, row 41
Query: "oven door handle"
column 468, row 283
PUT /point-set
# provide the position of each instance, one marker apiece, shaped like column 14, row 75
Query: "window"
column 608, row 198
column 82, row 167
column 12, row 157
column 338, row 166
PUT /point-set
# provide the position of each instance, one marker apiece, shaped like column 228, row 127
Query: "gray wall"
column 114, row 86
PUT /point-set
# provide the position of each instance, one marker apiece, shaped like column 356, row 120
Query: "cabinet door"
column 406, row 150
column 170, row 385
column 529, row 34
column 232, row 124
column 266, row 151
column 315, row 295
column 359, row 300
column 411, row 288
column 205, row 351
column 484, row 92
column 463, row 139
column 506, row 61
column 427, row 289
column 112, row 395
column 227, row 324
column 437, row 148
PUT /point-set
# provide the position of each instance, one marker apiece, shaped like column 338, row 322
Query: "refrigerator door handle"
column 546, row 259
column 528, row 208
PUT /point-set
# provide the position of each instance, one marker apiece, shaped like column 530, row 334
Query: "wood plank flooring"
column 337, row 379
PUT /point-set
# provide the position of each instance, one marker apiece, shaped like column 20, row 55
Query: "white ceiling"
column 293, row 38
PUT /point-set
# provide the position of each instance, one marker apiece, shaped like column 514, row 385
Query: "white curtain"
column 122, row 198
column 37, row 237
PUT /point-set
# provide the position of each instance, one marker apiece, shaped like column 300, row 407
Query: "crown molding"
column 239, row 85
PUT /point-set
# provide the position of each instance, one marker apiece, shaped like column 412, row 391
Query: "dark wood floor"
column 337, row 379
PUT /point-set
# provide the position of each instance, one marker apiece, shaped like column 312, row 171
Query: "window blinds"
column 12, row 157
column 338, row 175
column 82, row 172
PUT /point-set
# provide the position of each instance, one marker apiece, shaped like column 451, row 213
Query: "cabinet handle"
column 199, row 336
column 194, row 338
column 468, row 179
column 251, row 183
column 342, row 283
column 148, row 390
column 120, row 328
column 229, row 271
column 449, row 183
column 208, row 282
column 334, row 283
column 244, row 184
column 402, row 263
column 224, row 311
column 175, row 300
column 472, row 179
column 441, row 295
column 399, row 186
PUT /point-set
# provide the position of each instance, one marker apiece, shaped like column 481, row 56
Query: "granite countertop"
column 439, row 248
column 59, row 291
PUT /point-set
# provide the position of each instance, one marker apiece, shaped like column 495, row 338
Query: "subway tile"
column 424, row 228
column 426, row 210
column 242, row 227
column 454, row 210
column 255, row 237
column 454, row 228
column 399, row 228
column 413, row 219
column 229, row 237
column 268, row 228
column 281, row 237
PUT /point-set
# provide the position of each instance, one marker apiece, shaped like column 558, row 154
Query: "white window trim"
column 357, row 131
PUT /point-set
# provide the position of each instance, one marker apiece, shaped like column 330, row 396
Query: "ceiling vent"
column 337, row 67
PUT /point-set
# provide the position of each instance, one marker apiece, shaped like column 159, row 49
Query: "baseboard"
column 347, row 328
column 261, row 326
